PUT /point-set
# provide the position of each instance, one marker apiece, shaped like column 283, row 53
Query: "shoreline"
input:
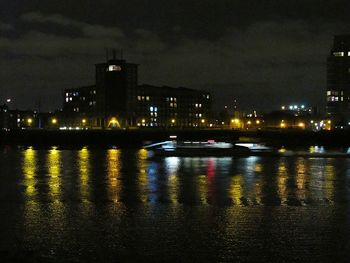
column 137, row 138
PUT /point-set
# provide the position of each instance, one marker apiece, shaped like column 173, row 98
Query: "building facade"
column 117, row 101
column 172, row 107
column 116, row 84
column 338, row 81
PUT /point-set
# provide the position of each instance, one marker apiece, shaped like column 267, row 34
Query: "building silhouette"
column 338, row 81
column 117, row 101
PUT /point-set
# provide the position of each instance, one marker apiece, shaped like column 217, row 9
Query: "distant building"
column 338, row 81
column 116, row 84
column 172, row 107
column 116, row 101
column 4, row 117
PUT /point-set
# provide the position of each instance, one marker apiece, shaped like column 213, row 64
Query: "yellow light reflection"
column 29, row 170
column 172, row 164
column 236, row 188
column 143, row 179
column 54, row 167
column 282, row 177
column 258, row 168
column 329, row 181
column 113, row 170
column 84, row 172
column 300, row 179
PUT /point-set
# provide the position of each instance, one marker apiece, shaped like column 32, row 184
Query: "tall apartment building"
column 116, row 100
column 116, row 84
column 172, row 107
column 338, row 81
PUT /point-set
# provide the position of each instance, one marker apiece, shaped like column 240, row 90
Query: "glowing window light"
column 29, row 121
column 114, row 68
column 338, row 54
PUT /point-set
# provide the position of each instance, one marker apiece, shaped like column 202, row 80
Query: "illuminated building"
column 117, row 101
column 338, row 81
column 116, row 84
column 172, row 107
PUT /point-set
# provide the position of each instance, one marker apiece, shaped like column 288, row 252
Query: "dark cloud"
column 262, row 53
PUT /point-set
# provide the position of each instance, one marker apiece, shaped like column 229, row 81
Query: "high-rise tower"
column 338, row 81
column 116, row 85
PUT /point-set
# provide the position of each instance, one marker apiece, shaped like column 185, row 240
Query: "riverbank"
column 136, row 138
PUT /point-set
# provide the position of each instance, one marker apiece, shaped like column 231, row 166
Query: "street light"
column 29, row 121
column 54, row 121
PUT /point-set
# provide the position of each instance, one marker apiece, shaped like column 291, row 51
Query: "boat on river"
column 205, row 148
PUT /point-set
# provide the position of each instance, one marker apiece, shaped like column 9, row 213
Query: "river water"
column 115, row 205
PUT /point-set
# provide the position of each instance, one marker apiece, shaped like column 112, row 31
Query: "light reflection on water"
column 84, row 173
column 223, row 181
column 54, row 173
column 113, row 171
column 119, row 201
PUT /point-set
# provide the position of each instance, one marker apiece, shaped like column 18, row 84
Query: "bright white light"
column 8, row 100
column 114, row 68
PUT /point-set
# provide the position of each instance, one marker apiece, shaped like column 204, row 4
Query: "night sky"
column 262, row 53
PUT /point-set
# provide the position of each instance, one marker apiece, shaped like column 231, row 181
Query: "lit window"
column 138, row 97
column 114, row 68
column 155, row 108
column 342, row 98
column 349, row 53
column 151, row 108
column 147, row 97
column 338, row 54
column 70, row 98
column 329, row 93
column 67, row 99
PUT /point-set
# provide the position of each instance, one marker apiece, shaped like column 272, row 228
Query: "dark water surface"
column 115, row 206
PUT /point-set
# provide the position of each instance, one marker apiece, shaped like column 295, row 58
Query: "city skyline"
column 260, row 58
